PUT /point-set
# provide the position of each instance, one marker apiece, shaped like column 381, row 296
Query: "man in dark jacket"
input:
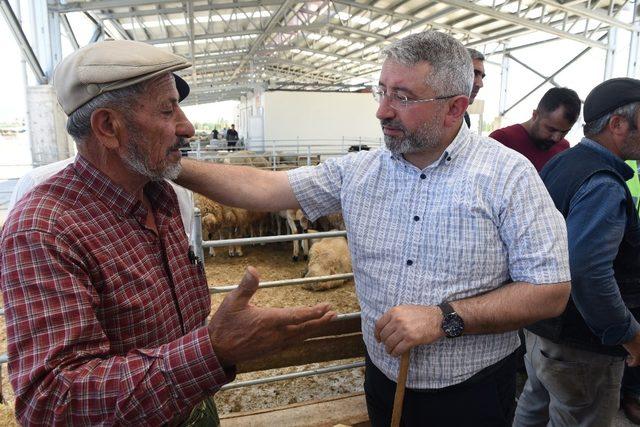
column 575, row 361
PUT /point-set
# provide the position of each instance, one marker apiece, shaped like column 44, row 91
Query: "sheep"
column 328, row 256
column 220, row 220
column 297, row 223
column 247, row 158
column 333, row 221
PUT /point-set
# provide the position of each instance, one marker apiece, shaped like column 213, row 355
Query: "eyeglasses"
column 399, row 102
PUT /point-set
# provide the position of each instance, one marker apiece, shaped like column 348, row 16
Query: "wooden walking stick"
column 402, row 382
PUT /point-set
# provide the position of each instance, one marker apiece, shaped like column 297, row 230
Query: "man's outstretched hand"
column 240, row 331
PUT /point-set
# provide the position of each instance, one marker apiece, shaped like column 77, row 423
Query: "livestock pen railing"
column 285, row 153
column 340, row 339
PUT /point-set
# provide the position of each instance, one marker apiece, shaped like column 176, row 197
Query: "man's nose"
column 384, row 109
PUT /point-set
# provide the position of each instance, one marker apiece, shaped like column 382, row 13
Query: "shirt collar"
column 617, row 163
column 452, row 151
column 117, row 198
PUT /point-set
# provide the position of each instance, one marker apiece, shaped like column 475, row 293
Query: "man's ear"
column 457, row 106
column 108, row 127
column 618, row 126
column 534, row 115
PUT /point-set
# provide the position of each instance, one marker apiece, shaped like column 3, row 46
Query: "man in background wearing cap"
column 542, row 136
column 105, row 304
column 575, row 361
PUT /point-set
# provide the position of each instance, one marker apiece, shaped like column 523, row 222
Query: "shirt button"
column 409, row 262
column 416, row 218
column 422, row 176
column 448, row 159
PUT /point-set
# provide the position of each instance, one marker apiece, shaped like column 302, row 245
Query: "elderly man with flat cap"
column 575, row 361
column 105, row 308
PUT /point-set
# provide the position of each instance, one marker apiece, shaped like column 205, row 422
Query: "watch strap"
column 446, row 308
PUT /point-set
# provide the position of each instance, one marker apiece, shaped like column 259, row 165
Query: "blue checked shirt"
column 475, row 219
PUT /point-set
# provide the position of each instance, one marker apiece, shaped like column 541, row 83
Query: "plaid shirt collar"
column 118, row 199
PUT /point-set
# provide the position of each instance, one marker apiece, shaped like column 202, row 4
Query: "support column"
column 47, row 126
column 611, row 53
column 632, row 64
column 47, row 121
column 504, row 83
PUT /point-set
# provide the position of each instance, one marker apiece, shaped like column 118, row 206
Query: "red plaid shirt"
column 104, row 318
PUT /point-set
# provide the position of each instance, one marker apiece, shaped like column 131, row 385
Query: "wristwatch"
column 452, row 323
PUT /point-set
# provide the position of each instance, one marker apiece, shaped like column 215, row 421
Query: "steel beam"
column 67, row 28
column 523, row 22
column 23, row 43
column 595, row 15
column 81, row 6
column 558, row 71
column 275, row 20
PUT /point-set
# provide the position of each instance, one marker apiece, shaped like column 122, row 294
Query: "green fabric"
column 205, row 414
column 634, row 183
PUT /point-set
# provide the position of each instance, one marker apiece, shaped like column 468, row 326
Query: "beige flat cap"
column 109, row 65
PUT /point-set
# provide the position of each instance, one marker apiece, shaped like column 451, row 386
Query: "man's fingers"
column 298, row 315
column 401, row 348
column 247, row 287
column 298, row 332
column 380, row 324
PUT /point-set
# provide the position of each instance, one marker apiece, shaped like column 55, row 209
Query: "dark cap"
column 610, row 95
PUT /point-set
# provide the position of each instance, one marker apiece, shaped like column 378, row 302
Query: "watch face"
column 452, row 325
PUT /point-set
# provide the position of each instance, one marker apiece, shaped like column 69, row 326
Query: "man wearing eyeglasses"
column 454, row 240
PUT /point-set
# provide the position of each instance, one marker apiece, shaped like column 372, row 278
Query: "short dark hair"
column 474, row 54
column 561, row 96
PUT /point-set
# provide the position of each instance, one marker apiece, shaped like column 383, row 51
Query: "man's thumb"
column 248, row 286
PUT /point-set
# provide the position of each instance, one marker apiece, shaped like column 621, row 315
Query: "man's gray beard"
column 631, row 147
column 425, row 137
column 138, row 163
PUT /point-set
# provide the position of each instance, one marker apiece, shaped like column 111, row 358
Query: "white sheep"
column 328, row 256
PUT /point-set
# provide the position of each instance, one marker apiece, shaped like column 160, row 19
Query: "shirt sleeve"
column 22, row 187
column 532, row 229
column 318, row 188
column 596, row 224
column 60, row 364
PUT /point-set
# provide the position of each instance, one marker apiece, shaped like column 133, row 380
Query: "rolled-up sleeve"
column 317, row 188
column 533, row 230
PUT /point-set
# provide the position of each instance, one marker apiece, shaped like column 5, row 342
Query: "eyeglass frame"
column 379, row 94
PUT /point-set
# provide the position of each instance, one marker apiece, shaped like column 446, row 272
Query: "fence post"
column 197, row 234
column 308, row 155
column 342, row 145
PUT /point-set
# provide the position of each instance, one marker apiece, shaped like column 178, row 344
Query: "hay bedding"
column 273, row 263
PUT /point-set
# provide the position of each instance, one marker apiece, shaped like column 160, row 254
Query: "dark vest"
column 563, row 176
